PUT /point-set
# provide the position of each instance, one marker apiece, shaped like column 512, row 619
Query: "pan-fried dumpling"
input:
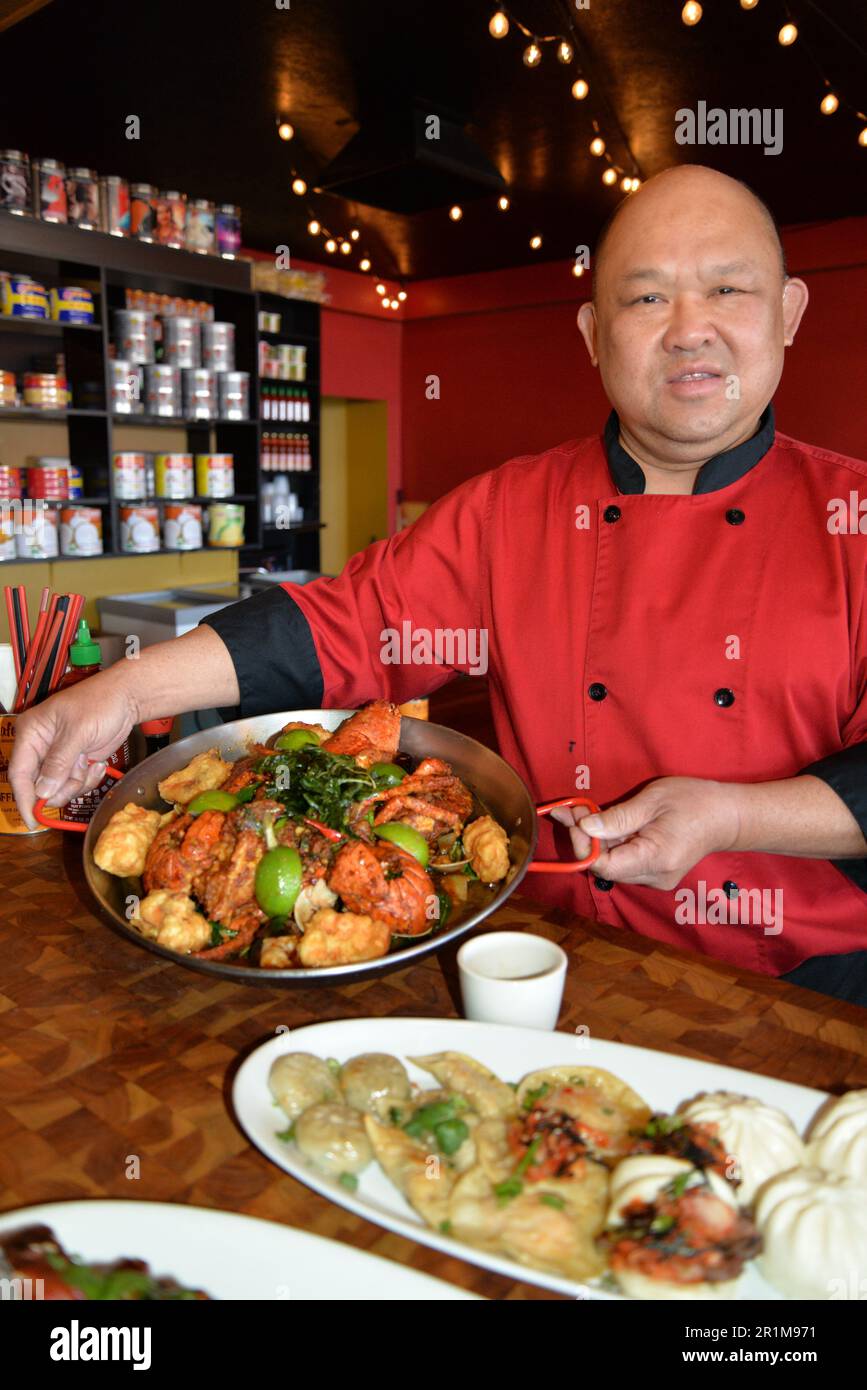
column 837, row 1139
column 376, row 1082
column 205, row 773
column 122, row 848
column 424, row 1178
column 761, row 1140
column 334, row 1139
column 814, row 1229
column 481, row 1089
column 604, row 1110
column 299, row 1080
column 496, row 1156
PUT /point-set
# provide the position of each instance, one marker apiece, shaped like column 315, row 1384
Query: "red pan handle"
column 55, row 823
column 557, row 866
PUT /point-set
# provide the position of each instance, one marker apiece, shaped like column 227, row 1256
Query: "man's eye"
column 726, row 289
column 646, row 299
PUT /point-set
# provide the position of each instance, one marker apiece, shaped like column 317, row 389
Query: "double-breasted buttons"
column 597, row 691
column 603, row 884
column 735, row 517
column 611, row 514
column 730, row 888
column 723, row 697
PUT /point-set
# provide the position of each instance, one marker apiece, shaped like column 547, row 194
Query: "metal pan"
column 496, row 785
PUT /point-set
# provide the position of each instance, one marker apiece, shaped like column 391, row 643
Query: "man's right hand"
column 57, row 741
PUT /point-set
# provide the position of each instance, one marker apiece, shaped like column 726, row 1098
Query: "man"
column 673, row 625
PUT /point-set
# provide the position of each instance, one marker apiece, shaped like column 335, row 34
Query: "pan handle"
column 557, row 866
column 54, row 822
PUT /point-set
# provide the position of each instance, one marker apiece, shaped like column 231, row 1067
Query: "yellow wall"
column 354, row 485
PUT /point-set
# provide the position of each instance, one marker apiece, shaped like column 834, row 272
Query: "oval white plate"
column 228, row 1255
column 662, row 1079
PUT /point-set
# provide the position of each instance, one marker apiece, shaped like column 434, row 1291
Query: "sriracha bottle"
column 85, row 659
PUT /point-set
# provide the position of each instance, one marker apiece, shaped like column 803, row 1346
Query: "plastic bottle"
column 85, row 659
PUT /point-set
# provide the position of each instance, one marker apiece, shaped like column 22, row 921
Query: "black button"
column 724, row 697
column 611, row 514
column 603, row 884
column 730, row 888
column 596, row 691
column 735, row 517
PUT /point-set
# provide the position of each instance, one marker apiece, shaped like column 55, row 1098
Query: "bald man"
column 673, row 625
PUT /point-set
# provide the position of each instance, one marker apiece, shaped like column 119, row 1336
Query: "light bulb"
column 535, row 242
column 580, row 89
column 354, row 234
column 456, row 213
column 609, row 177
column 314, row 227
column 299, row 187
column 564, row 51
column 380, row 289
column 749, row 4
column 597, row 146
column 285, row 130
column 499, row 25
column 787, row 34
column 691, row 12
column 386, row 304
column 862, row 136
column 331, row 245
column 345, row 248
column 626, row 183
column 401, row 294
column 577, row 270
column 636, row 184
column 503, row 203
column 532, row 55
column 364, row 265
column 394, row 304
column 828, row 105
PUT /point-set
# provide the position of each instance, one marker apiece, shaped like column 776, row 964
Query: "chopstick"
column 16, row 630
column 43, row 683
column 47, row 653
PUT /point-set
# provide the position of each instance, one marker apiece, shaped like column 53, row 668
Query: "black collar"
column 718, row 472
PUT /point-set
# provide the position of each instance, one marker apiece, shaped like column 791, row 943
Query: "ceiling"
column 208, row 81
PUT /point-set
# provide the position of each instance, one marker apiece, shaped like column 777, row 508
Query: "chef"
column 671, row 615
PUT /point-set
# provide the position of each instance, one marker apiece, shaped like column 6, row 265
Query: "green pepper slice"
column 406, row 839
column 295, row 739
column 387, row 774
column 212, row 801
column 278, row 880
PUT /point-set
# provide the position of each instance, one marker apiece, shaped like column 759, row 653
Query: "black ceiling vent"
column 410, row 159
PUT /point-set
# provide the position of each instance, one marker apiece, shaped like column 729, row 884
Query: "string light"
column 577, row 270
column 364, row 265
column 299, row 187
column 580, row 89
column 597, row 146
column 401, row 294
column 862, row 137
column 345, row 248
column 380, row 289
column 386, row 303
column 829, row 104
column 691, row 12
column 499, row 25
column 610, row 176
column 749, row 4
column 787, row 35
column 456, row 213
column 354, row 234
column 532, row 55
column 565, row 52
column 394, row 304
column 626, row 184
column 331, row 245
column 535, row 243
column 285, row 130
column 503, row 203
column 314, row 227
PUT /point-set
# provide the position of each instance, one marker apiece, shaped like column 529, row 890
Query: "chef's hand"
column 55, row 740
column 657, row 836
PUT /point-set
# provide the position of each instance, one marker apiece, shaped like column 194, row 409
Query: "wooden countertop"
column 106, row 1052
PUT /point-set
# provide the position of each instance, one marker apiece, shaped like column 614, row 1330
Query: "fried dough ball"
column 205, row 773
column 337, row 938
column 487, row 847
column 173, row 920
column 279, row 953
column 123, row 846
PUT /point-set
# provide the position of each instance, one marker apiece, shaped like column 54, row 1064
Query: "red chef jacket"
column 719, row 635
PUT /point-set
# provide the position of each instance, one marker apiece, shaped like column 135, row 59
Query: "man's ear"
column 795, row 299
column 587, row 326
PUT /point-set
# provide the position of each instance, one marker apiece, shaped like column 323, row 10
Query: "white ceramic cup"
column 512, row 977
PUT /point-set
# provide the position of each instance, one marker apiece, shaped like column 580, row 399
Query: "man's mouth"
column 695, row 374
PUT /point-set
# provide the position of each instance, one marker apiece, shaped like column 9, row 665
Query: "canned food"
column 7, row 390
column 82, row 199
column 226, row 524
column 182, row 526
column 127, row 387
column 76, row 481
column 171, row 220
column 24, row 298
column 49, row 190
column 48, row 480
column 72, row 305
column 218, row 346
column 80, row 531
column 141, row 211
column 268, row 322
column 130, row 479
column 182, row 341
column 200, row 229
column 8, row 524
column 139, row 530
column 134, row 335
column 200, row 394
column 37, row 535
column 228, row 228
column 234, row 389
column 163, row 390
column 174, row 475
column 114, row 205
column 15, row 182
column 45, row 391
column 10, row 481
column 215, row 475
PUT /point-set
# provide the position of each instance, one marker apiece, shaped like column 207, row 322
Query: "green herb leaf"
column 550, row 1199
column 349, row 1181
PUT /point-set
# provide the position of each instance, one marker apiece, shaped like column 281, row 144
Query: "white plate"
column 227, row 1255
column 661, row 1079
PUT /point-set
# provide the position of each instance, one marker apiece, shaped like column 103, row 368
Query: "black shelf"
column 172, row 422
column 173, row 501
column 50, row 327
column 32, row 412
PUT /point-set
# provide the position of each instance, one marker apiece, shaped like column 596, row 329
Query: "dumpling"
column 375, row 1082
column 760, row 1139
column 122, row 848
column 481, row 1089
column 605, row 1111
column 333, row 1138
column 424, row 1178
column 814, row 1229
column 173, row 920
column 205, row 773
column 837, row 1138
column 299, row 1080
column 676, row 1232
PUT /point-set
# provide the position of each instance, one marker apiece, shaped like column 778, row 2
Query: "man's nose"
column 690, row 325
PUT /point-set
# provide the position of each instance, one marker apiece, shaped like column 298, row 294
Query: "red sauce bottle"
column 85, row 659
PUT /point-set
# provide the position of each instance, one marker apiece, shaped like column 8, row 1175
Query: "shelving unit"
column 108, row 266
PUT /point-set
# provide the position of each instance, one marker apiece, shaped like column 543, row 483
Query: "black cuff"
column 846, row 774
column 272, row 650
